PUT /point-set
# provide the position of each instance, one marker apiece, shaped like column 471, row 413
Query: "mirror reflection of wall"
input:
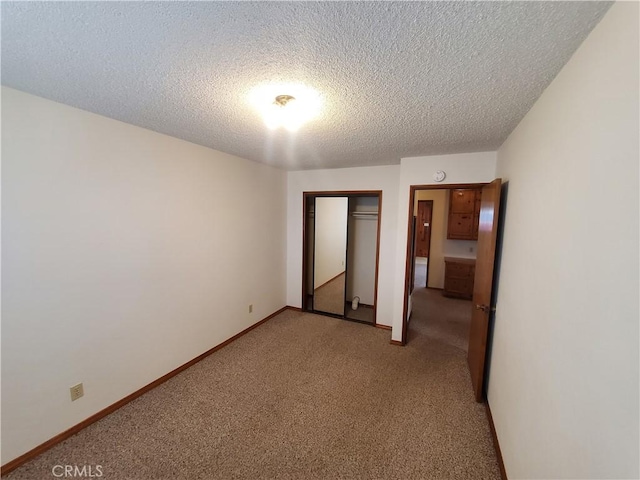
column 330, row 247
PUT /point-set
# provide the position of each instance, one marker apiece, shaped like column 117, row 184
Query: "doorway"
column 458, row 315
column 341, row 237
column 424, row 214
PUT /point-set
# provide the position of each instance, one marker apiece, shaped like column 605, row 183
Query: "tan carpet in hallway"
column 301, row 397
column 440, row 319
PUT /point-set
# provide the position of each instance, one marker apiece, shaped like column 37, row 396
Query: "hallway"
column 439, row 320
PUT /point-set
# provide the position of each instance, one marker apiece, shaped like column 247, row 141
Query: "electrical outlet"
column 251, row 308
column 76, row 391
column 471, row 249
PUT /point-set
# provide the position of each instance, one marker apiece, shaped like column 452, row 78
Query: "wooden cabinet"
column 464, row 213
column 458, row 277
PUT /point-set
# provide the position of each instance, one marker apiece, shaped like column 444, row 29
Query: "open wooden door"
column 483, row 285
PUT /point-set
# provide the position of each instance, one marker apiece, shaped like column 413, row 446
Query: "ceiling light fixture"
column 290, row 110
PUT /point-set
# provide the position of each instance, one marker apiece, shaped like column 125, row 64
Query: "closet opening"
column 341, row 248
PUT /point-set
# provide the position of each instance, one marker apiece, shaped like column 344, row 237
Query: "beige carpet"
column 303, row 396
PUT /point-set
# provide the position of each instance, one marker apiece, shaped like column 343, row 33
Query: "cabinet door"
column 460, row 270
column 458, row 279
column 462, row 200
column 459, row 287
column 460, row 226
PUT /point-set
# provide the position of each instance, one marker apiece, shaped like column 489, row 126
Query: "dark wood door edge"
column 347, row 266
column 375, row 284
column 496, row 444
column 343, row 193
column 43, row 447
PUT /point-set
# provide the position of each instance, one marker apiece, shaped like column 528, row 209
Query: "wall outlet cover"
column 76, row 391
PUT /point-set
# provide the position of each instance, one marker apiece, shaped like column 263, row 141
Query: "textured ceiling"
column 397, row 79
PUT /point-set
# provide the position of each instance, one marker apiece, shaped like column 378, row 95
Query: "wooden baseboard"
column 295, row 309
column 496, row 444
column 397, row 342
column 384, row 327
column 365, row 305
column 16, row 462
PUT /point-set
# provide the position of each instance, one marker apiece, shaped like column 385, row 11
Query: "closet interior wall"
column 361, row 250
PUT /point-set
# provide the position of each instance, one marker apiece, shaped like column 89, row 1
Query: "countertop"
column 460, row 260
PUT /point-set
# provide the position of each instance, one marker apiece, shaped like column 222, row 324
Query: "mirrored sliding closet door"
column 340, row 251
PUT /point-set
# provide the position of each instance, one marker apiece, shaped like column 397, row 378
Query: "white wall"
column 365, row 178
column 460, row 168
column 563, row 384
column 126, row 253
column 363, row 233
column 330, row 243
